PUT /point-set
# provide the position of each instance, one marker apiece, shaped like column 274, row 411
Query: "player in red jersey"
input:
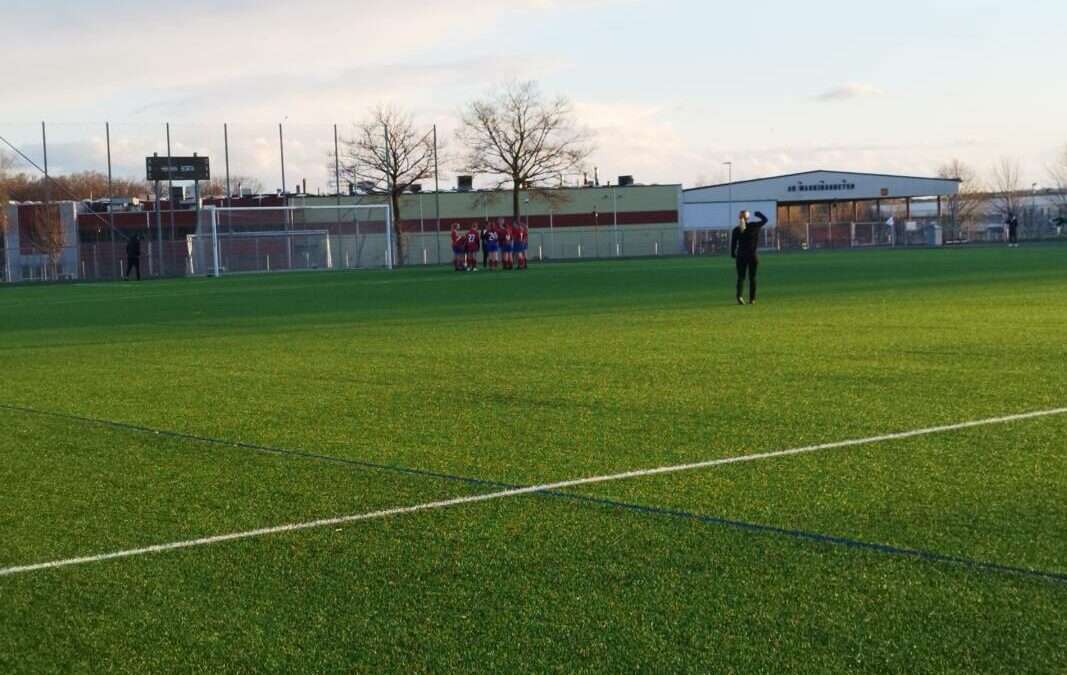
column 459, row 248
column 474, row 244
column 507, row 238
column 522, row 242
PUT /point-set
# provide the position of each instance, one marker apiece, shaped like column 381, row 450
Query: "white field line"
column 515, row 492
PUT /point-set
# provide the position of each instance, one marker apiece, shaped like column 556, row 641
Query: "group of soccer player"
column 503, row 246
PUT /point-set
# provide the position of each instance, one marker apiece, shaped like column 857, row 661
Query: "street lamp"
column 1033, row 205
column 730, row 187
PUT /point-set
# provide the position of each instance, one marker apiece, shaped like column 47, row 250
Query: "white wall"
column 723, row 215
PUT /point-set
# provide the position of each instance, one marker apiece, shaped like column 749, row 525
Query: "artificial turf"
column 561, row 372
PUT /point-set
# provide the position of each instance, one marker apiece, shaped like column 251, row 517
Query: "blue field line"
column 288, row 452
column 889, row 549
column 804, row 535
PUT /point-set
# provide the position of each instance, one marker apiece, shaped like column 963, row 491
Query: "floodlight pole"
column 436, row 194
column 110, row 192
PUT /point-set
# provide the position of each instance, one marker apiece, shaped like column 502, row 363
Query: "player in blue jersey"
column 492, row 245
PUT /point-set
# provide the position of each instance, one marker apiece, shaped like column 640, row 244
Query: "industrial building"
column 817, row 209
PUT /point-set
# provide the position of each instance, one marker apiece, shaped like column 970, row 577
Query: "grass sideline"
column 556, row 373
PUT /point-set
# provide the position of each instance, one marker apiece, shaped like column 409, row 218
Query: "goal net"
column 270, row 239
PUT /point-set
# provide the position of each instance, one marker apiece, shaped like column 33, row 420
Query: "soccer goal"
column 232, row 240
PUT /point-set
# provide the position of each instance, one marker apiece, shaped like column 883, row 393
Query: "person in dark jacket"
column 1013, row 231
column 133, row 256
column 744, row 248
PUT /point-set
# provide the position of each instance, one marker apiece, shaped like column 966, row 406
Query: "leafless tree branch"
column 1057, row 173
column 388, row 154
column 965, row 209
column 521, row 139
column 1007, row 188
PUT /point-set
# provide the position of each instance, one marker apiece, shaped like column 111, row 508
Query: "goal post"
column 247, row 239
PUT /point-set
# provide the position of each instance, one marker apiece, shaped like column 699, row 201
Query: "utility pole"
column 336, row 165
column 281, row 149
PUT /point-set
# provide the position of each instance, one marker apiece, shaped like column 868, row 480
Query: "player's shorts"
column 521, row 247
column 459, row 248
column 507, row 248
column 473, row 248
column 492, row 247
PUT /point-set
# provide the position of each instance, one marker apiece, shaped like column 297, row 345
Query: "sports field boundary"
column 549, row 488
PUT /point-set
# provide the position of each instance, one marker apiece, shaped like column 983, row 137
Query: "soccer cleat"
column 740, row 300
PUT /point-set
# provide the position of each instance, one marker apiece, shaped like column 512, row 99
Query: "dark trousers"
column 131, row 265
column 746, row 267
column 1013, row 235
column 485, row 257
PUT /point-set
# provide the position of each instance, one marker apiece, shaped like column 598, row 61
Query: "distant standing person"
column 744, row 248
column 1013, row 231
column 133, row 256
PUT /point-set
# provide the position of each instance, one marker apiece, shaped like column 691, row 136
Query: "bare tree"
column 4, row 199
column 1007, row 188
column 965, row 208
column 216, row 187
column 522, row 139
column 1057, row 173
column 387, row 155
column 7, row 162
column 46, row 232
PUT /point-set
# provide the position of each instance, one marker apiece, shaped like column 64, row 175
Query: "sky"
column 669, row 90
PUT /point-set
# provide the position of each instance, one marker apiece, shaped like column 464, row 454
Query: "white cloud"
column 114, row 56
column 851, row 90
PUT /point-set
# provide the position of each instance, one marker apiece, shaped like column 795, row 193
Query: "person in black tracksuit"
column 744, row 248
column 133, row 256
column 1013, row 230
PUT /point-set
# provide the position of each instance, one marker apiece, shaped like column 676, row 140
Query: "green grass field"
column 133, row 415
